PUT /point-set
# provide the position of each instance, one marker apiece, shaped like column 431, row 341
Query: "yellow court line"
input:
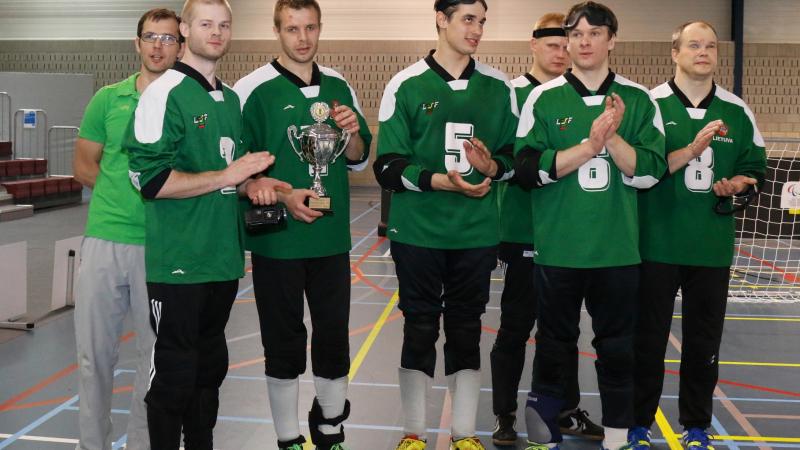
column 362, row 352
column 743, row 363
column 755, row 319
column 667, row 431
column 752, row 438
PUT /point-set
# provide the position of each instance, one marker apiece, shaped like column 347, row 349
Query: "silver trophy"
column 320, row 146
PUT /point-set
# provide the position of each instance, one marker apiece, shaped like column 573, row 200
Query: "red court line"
column 5, row 406
column 786, row 275
column 59, row 400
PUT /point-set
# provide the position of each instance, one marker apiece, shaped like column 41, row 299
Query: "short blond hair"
column 554, row 20
column 678, row 33
column 188, row 8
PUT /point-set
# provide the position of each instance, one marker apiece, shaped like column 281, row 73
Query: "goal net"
column 766, row 262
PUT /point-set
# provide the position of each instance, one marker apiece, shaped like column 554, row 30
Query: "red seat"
column 27, row 166
column 5, row 148
column 37, row 187
column 40, row 166
column 13, row 168
column 64, row 184
column 51, row 186
column 2, row 169
column 76, row 187
column 20, row 190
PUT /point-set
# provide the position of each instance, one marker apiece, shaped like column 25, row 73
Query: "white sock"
column 331, row 395
column 283, row 397
column 615, row 438
column 465, row 388
column 414, row 387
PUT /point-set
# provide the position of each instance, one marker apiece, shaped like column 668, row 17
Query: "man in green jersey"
column 446, row 129
column 518, row 303
column 588, row 140
column 186, row 159
column 714, row 149
column 111, row 276
column 311, row 255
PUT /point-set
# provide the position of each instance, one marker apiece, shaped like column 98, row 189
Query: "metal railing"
column 61, row 149
column 30, row 133
column 5, row 117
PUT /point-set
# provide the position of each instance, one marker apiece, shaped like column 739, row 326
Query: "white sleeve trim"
column 148, row 124
column 545, row 177
column 409, row 185
column 490, row 71
column 389, row 99
column 645, row 182
column 730, row 97
column 526, row 119
column 245, row 86
column 657, row 121
column 358, row 167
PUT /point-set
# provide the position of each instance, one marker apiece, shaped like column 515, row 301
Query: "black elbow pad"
column 152, row 188
column 389, row 169
column 526, row 168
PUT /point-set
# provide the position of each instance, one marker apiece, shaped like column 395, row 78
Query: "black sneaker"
column 577, row 423
column 504, row 433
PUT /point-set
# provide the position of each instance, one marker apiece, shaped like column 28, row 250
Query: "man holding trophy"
column 306, row 115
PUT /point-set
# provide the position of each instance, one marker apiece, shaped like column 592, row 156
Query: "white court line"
column 41, row 439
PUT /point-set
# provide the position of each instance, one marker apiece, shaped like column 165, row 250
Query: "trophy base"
column 322, row 204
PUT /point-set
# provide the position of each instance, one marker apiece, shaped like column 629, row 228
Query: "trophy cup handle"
column 292, row 133
column 343, row 141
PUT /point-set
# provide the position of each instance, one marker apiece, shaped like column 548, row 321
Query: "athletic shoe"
column 697, row 439
column 639, row 438
column 577, row 423
column 470, row 443
column 627, row 446
column 536, row 446
column 411, row 442
column 504, row 433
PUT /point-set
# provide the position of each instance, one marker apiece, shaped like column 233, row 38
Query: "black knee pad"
column 462, row 345
column 551, row 364
column 616, row 351
column 420, row 333
column 330, row 357
column 285, row 362
column 315, row 419
column 510, row 341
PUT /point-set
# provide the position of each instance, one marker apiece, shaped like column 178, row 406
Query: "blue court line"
column 33, row 425
column 366, row 212
column 721, row 431
column 120, row 442
column 374, row 230
column 389, row 428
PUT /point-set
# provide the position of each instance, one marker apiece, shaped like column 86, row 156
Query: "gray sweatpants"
column 111, row 282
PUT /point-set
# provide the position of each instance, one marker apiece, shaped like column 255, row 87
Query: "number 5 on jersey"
column 455, row 158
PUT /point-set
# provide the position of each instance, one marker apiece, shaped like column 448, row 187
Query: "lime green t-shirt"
column 116, row 211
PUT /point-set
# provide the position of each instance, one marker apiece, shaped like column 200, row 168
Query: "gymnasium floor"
column 757, row 403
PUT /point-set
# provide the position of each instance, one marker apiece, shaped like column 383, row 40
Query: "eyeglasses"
column 165, row 39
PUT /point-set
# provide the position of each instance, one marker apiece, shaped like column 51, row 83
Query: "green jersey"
column 516, row 215
column 678, row 223
column 274, row 99
column 589, row 217
column 425, row 117
column 116, row 211
column 184, row 124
